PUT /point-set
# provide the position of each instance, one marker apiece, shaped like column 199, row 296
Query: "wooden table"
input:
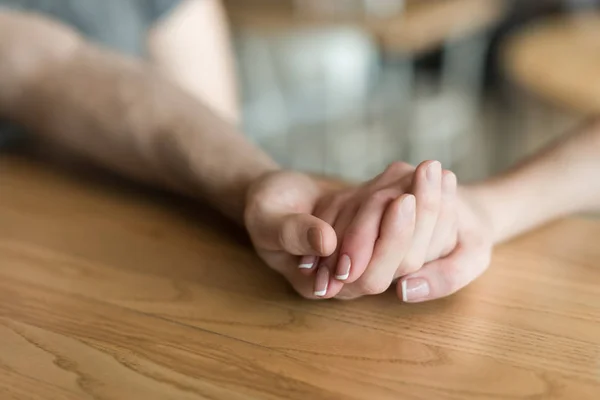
column 558, row 60
column 107, row 292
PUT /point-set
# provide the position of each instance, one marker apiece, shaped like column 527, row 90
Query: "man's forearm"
column 123, row 114
column 563, row 178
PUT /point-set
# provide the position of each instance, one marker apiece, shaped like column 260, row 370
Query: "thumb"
column 445, row 276
column 296, row 234
column 305, row 235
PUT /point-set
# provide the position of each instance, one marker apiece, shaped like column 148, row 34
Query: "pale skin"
column 192, row 45
column 369, row 258
column 560, row 180
column 145, row 125
column 125, row 114
column 385, row 227
column 373, row 251
column 467, row 226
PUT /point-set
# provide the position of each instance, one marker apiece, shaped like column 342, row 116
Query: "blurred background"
column 344, row 87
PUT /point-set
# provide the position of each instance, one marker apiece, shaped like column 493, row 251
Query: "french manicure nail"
column 414, row 290
column 343, row 271
column 434, row 172
column 322, row 281
column 307, row 262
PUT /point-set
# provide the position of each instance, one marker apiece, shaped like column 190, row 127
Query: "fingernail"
column 414, row 290
column 449, row 184
column 408, row 205
column 315, row 239
column 307, row 262
column 343, row 271
column 434, row 172
column 322, row 281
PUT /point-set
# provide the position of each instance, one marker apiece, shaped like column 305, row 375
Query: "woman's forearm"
column 562, row 179
column 123, row 114
column 208, row 71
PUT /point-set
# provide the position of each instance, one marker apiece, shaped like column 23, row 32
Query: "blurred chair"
column 554, row 69
column 329, row 86
column 437, row 113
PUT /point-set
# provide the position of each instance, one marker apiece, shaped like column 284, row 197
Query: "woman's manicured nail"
column 415, row 290
column 322, row 281
column 343, row 270
column 307, row 262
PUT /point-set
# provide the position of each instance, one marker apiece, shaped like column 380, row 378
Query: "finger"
column 361, row 235
column 394, row 171
column 344, row 219
column 302, row 284
column 445, row 276
column 303, row 234
column 394, row 241
column 327, row 212
column 427, row 190
column 443, row 240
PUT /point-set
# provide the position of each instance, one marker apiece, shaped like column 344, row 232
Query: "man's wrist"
column 234, row 196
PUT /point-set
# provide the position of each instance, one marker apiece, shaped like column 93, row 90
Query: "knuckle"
column 397, row 167
column 373, row 286
column 340, row 199
column 347, row 293
column 430, row 204
column 282, row 237
column 381, row 196
column 450, row 278
column 394, row 170
column 347, row 296
column 353, row 236
column 409, row 266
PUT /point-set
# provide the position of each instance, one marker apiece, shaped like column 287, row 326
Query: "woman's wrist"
column 483, row 200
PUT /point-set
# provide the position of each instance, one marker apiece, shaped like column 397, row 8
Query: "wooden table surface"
column 108, row 292
column 558, row 60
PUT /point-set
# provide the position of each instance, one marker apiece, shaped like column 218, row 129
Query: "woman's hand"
column 387, row 228
column 470, row 258
column 378, row 225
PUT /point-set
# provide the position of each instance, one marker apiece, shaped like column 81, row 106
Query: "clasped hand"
column 409, row 227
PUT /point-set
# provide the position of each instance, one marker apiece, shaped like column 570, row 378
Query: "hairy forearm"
column 560, row 180
column 121, row 113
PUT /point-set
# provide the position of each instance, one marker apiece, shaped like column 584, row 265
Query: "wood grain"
column 109, row 292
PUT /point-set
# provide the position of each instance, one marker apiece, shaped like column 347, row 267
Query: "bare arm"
column 122, row 114
column 563, row 178
column 192, row 46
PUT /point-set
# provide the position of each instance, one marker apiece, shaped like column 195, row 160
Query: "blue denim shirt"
column 118, row 24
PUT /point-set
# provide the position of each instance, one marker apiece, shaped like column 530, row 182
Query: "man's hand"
column 287, row 217
column 387, row 227
column 282, row 228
